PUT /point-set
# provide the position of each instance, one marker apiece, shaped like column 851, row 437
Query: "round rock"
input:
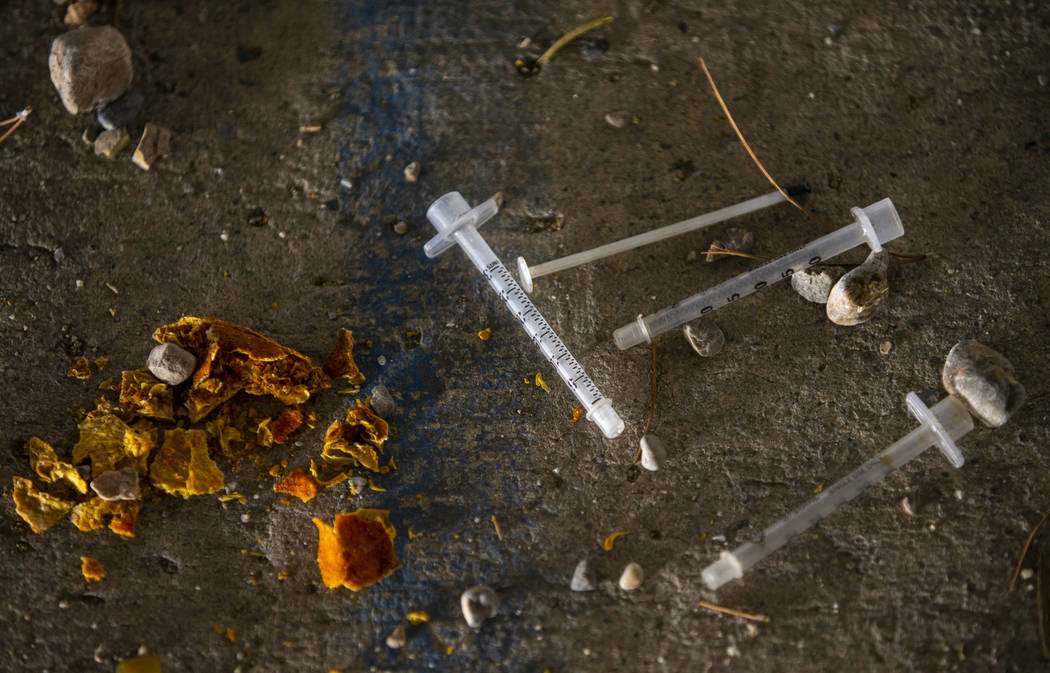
column 859, row 295
column 478, row 604
column 171, row 364
column 117, row 485
column 382, row 402
column 632, row 577
column 983, row 379
column 90, row 66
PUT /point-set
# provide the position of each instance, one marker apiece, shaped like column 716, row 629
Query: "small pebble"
column 109, row 143
column 859, row 295
column 171, row 364
column 122, row 111
column 1027, row 574
column 616, row 119
column 478, row 604
column 381, row 360
column 154, row 144
column 653, row 452
column 412, row 171
column 583, row 577
column 401, row 227
column 382, row 402
column 79, row 12
column 736, row 239
column 984, row 380
column 692, row 256
column 707, row 339
column 397, row 638
column 117, row 485
column 357, row 484
column 885, row 347
column 907, row 507
column 632, row 577
column 90, row 66
column 814, row 284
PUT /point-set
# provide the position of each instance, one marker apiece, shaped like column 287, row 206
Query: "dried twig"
column 1024, row 550
column 499, row 531
column 736, row 613
column 17, row 121
column 570, row 36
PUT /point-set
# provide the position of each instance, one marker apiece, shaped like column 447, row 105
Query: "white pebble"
column 478, row 603
column 632, row 577
column 171, row 363
column 1027, row 574
column 653, row 452
column 582, row 577
column 397, row 638
column 412, row 171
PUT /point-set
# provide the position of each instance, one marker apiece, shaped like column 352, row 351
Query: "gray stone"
column 983, row 379
column 478, row 604
column 122, row 111
column 707, row 339
column 154, row 144
column 735, row 239
column 632, row 577
column 90, row 66
column 117, row 485
column 654, row 453
column 110, row 143
column 583, row 577
column 815, row 284
column 171, row 364
column 382, row 402
column 859, row 295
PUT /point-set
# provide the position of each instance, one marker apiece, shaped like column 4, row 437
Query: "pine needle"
column 570, row 36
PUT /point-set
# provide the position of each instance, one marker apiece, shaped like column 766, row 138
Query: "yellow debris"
column 49, row 468
column 91, row 569
column 418, row 617
column 485, row 334
column 183, row 466
column 607, row 545
column 148, row 664
column 541, row 383
column 38, row 509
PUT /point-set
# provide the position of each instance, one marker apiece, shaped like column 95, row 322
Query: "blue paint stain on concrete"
column 391, row 115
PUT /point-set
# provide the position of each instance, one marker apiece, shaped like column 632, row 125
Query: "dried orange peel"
column 49, row 468
column 145, row 395
column 608, row 543
column 38, row 509
column 119, row 515
column 357, row 439
column 91, row 569
column 183, row 466
column 299, row 484
column 232, row 358
column 358, row 550
column 340, row 362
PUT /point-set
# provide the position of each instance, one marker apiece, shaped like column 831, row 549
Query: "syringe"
column 874, row 225
column 528, row 273
column 940, row 426
column 456, row 222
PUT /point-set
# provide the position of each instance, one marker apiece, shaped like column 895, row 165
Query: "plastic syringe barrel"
column 954, row 420
column 685, row 226
column 445, row 214
column 883, row 224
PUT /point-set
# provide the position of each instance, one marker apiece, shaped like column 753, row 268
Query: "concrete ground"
column 941, row 106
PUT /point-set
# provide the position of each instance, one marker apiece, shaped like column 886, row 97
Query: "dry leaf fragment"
column 145, row 395
column 183, row 466
column 91, row 569
column 358, row 550
column 38, row 509
column 119, row 515
column 340, row 362
column 299, row 484
column 49, row 468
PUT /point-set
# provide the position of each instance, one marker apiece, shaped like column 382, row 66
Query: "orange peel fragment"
column 49, row 468
column 358, row 550
column 608, row 543
column 340, row 362
column 38, row 509
column 91, row 569
column 119, row 515
column 357, row 439
column 299, row 484
column 183, row 466
column 232, row 358
column 145, row 395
